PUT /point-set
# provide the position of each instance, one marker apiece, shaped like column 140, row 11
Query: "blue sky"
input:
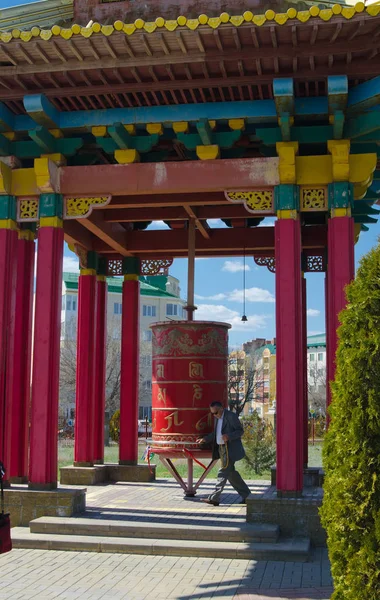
column 219, row 291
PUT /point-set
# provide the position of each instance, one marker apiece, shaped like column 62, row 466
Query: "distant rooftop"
column 115, row 285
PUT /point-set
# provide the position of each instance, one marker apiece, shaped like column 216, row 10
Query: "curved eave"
column 182, row 23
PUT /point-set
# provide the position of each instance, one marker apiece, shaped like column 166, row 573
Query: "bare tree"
column 113, row 369
column 317, row 388
column 245, row 382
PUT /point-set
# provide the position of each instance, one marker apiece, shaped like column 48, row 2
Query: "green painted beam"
column 120, row 136
column 225, row 139
column 4, row 146
column 205, row 132
column 362, row 125
column 142, row 144
column 43, row 138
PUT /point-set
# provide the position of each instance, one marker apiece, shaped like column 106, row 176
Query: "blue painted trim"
column 42, row 111
column 283, row 91
column 364, row 95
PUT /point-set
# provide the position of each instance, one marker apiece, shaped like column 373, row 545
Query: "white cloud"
column 313, row 312
column 315, row 332
column 220, row 313
column 70, row 264
column 234, row 266
column 253, row 294
column 215, row 297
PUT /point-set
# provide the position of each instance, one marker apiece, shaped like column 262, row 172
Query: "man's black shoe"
column 207, row 501
column 242, row 501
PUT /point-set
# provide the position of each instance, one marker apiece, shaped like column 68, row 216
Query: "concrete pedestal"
column 109, row 473
column 312, row 476
column 24, row 505
column 296, row 516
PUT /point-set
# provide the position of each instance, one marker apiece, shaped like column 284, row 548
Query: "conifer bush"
column 351, row 455
column 259, row 443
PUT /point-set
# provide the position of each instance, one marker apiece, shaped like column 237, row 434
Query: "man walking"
column 226, row 445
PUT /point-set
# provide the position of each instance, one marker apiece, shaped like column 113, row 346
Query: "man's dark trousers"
column 229, row 474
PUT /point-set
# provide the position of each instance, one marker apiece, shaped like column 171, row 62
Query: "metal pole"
column 191, row 271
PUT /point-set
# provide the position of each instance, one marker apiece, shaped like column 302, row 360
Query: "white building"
column 159, row 301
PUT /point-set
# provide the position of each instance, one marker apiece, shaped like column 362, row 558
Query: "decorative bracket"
column 81, row 208
column 149, row 266
column 266, row 261
column 255, row 201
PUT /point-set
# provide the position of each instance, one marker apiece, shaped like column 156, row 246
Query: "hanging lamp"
column 244, row 317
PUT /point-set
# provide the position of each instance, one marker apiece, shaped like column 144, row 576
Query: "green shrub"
column 115, row 426
column 351, row 454
column 259, row 443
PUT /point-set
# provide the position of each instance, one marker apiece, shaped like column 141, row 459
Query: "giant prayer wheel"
column 190, row 368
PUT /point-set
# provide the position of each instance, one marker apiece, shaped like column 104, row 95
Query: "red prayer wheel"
column 190, row 367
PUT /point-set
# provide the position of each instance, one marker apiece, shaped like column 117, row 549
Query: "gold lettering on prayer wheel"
column 189, row 371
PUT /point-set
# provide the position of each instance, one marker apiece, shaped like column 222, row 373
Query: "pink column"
column 46, row 349
column 100, row 368
column 304, row 374
column 8, row 266
column 340, row 272
column 85, row 384
column 289, row 393
column 21, row 384
column 129, row 383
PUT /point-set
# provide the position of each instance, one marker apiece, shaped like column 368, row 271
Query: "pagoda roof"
column 229, row 57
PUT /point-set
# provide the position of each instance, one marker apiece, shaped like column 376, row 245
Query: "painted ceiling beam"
column 175, row 213
column 113, row 234
column 207, row 199
column 170, row 177
column 42, row 112
column 174, row 243
column 364, row 96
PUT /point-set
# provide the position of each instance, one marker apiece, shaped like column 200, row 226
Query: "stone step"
column 218, row 531
column 296, row 549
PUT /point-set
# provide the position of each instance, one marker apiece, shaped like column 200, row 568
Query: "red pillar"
column 100, row 368
column 22, row 357
column 85, row 383
column 304, row 374
column 46, row 350
column 129, row 382
column 289, row 357
column 340, row 272
column 8, row 266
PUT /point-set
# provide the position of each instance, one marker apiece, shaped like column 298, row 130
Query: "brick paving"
column 51, row 575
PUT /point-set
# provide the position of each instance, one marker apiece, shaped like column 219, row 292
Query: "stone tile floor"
column 48, row 575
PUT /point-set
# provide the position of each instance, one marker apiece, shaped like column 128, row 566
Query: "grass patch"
column 111, row 455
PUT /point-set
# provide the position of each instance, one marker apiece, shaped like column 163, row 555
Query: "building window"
column 312, row 357
column 148, row 385
column 68, row 302
column 320, row 356
column 149, row 311
column 117, row 308
column 146, row 360
column 147, row 335
column 171, row 310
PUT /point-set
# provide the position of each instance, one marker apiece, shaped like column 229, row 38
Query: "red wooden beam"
column 221, row 241
column 169, row 178
column 167, row 200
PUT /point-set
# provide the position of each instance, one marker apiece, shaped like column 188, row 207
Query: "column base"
column 109, row 473
column 296, row 517
column 135, row 472
column 83, row 475
column 43, row 487
column 312, row 476
column 24, row 504
column 83, row 464
column 99, row 462
column 18, row 480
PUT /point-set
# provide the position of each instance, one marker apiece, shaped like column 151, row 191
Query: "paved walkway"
column 48, row 575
